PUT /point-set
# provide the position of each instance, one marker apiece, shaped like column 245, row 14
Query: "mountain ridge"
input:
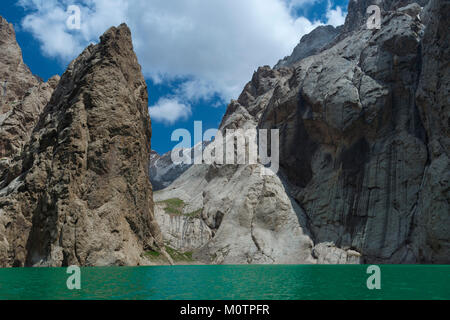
column 356, row 178
column 78, row 191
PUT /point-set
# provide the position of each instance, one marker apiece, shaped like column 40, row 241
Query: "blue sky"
column 196, row 55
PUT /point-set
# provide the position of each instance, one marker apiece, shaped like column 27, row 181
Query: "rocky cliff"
column 364, row 138
column 77, row 191
column 22, row 98
column 15, row 77
column 432, row 221
column 162, row 169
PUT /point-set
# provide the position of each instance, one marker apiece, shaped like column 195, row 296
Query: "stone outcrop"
column 184, row 231
column 363, row 151
column 79, row 191
column 251, row 217
column 363, row 117
column 312, row 43
column 432, row 216
column 22, row 98
column 358, row 150
column 357, row 11
column 162, row 169
column 15, row 77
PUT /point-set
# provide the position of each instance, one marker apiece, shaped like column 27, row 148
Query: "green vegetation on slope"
column 178, row 256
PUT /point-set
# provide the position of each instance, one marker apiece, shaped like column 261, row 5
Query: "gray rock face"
column 254, row 219
column 15, row 77
column 328, row 253
column 22, row 99
column 80, row 192
column 432, row 218
column 251, row 217
column 358, row 152
column 412, row 9
column 310, row 44
column 364, row 152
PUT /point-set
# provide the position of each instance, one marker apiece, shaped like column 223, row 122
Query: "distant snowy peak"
column 162, row 169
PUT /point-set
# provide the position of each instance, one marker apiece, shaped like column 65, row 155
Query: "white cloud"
column 169, row 110
column 215, row 44
column 47, row 22
column 335, row 17
column 195, row 90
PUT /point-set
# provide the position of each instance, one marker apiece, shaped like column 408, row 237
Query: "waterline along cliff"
column 364, row 124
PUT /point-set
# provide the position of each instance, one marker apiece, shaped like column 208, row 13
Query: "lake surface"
column 296, row 282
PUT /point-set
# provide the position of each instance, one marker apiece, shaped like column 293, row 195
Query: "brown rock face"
column 80, row 192
column 22, row 99
column 433, row 101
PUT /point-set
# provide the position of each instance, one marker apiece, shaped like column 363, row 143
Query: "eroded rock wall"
column 80, row 192
column 363, row 149
column 22, row 98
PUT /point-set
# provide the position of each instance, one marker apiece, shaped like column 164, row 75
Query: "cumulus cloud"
column 215, row 45
column 218, row 43
column 169, row 110
column 335, row 17
column 47, row 21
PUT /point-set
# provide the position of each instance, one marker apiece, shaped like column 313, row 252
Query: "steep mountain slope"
column 80, row 192
column 313, row 43
column 363, row 151
column 163, row 171
column 22, row 99
column 251, row 217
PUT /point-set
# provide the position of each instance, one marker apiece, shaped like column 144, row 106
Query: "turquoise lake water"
column 297, row 282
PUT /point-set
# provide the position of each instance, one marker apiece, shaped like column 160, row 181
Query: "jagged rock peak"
column 15, row 77
column 81, row 193
column 326, row 36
